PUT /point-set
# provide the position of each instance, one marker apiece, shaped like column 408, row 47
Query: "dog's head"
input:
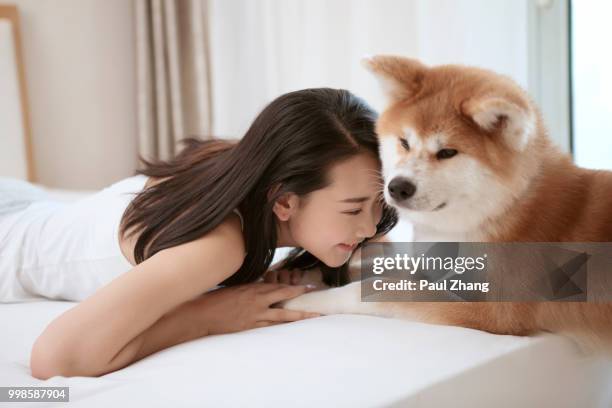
column 454, row 141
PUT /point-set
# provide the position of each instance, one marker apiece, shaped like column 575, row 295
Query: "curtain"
column 263, row 48
column 173, row 74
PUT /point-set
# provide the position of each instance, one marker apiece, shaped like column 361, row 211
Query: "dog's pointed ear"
column 400, row 77
column 515, row 123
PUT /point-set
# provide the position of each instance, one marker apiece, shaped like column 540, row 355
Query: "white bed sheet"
column 331, row 361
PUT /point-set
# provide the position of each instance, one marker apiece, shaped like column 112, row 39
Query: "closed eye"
column 446, row 154
column 354, row 212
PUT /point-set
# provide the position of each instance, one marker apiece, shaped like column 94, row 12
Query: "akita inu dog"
column 466, row 157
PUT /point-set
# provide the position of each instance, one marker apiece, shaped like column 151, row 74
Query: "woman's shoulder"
column 230, row 232
column 226, row 238
column 222, row 248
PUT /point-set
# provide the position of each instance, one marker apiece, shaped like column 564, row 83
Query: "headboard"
column 15, row 135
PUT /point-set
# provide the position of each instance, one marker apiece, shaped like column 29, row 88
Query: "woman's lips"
column 347, row 247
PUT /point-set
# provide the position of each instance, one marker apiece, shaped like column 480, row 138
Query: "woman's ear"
column 285, row 206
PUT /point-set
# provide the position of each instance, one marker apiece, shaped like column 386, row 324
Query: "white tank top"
column 65, row 250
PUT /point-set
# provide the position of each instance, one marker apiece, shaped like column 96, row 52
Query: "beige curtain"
column 173, row 74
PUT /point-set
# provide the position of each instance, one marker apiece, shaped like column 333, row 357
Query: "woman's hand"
column 312, row 277
column 236, row 308
column 286, row 276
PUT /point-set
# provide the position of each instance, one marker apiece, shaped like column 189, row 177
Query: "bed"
column 330, row 361
column 335, row 361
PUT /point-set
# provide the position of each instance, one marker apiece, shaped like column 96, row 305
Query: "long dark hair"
column 291, row 144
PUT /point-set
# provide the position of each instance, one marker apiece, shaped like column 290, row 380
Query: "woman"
column 305, row 175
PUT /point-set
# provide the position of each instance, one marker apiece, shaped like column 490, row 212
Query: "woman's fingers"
column 282, row 315
column 264, row 287
column 266, row 323
column 267, row 287
column 296, row 276
column 271, row 277
column 290, row 276
column 286, row 276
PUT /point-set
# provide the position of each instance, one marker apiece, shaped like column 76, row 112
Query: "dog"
column 466, row 158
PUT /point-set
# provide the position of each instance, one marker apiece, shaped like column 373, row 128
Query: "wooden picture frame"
column 16, row 158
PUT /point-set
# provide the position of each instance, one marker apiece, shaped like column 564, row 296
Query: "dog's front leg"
column 495, row 318
column 343, row 299
column 347, row 300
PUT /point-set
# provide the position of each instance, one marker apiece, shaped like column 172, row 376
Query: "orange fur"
column 557, row 200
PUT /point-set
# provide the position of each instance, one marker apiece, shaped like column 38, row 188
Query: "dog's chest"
column 424, row 234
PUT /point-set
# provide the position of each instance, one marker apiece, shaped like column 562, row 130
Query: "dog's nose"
column 401, row 189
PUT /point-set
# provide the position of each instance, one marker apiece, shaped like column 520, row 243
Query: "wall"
column 80, row 64
column 80, row 70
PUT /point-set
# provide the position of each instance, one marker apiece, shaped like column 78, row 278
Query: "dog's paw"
column 313, row 277
column 316, row 302
column 345, row 299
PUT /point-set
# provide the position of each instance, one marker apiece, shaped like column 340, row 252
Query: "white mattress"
column 331, row 361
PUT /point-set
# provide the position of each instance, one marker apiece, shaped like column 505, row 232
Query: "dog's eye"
column 445, row 154
column 405, row 144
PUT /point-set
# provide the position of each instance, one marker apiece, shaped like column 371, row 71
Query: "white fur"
column 343, row 299
column 471, row 192
column 346, row 300
column 520, row 123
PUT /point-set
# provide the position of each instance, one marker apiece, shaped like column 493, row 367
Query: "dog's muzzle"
column 401, row 189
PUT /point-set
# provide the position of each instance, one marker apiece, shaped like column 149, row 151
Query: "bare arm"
column 106, row 331
column 179, row 325
column 220, row 311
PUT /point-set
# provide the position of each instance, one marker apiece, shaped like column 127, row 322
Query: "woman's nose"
column 367, row 229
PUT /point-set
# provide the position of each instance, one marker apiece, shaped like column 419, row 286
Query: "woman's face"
column 330, row 222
